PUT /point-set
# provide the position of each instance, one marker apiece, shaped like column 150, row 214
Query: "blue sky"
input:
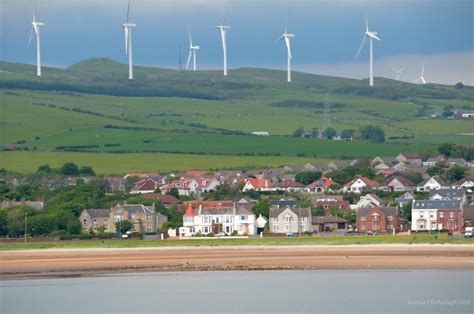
column 438, row 33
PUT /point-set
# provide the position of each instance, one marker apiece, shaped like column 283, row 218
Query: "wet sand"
column 58, row 262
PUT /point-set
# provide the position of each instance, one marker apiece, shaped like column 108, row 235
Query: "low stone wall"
column 29, row 239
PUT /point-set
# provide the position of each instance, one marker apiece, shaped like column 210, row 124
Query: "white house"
column 428, row 215
column 259, row 185
column 228, row 220
column 360, row 184
column 370, row 200
column 432, row 183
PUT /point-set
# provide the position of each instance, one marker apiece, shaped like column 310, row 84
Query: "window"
column 302, row 227
column 287, row 218
column 422, row 214
column 431, row 215
column 275, row 227
column 205, row 220
column 390, row 218
column 84, row 222
column 243, row 218
column 363, row 218
column 148, row 229
column 375, row 227
column 95, row 221
column 205, row 230
column 451, row 215
column 148, row 217
column 389, row 227
column 363, row 227
column 275, row 219
column 227, row 229
column 133, row 217
column 375, row 217
column 227, row 220
column 287, row 227
column 441, row 215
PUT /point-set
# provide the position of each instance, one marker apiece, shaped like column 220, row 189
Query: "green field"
column 183, row 112
column 28, row 162
column 329, row 240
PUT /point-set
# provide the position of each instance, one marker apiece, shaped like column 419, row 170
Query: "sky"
column 437, row 33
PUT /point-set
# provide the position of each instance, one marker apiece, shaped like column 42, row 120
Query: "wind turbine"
column 421, row 79
column 127, row 27
column 287, row 37
column 398, row 72
column 223, row 29
column 35, row 28
column 192, row 53
column 369, row 36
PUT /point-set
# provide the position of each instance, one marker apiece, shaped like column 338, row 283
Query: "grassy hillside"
column 194, row 112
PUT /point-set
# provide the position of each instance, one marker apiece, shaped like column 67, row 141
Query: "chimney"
column 235, row 210
column 200, row 209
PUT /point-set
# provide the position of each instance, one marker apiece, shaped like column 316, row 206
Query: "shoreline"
column 44, row 263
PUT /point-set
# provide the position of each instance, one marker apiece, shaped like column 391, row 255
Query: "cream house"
column 295, row 220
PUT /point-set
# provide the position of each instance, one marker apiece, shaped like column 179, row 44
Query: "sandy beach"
column 56, row 262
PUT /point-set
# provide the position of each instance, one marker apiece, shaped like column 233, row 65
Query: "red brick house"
column 378, row 219
column 451, row 220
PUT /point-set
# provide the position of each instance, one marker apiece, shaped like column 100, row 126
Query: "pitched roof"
column 436, row 178
column 260, row 183
column 275, row 211
column 225, row 211
column 411, row 155
column 389, row 211
column 189, row 211
column 328, row 219
column 367, row 181
column 137, row 208
column 165, row 199
column 321, row 182
column 283, row 202
column 98, row 212
column 400, row 179
column 437, row 204
column 447, row 193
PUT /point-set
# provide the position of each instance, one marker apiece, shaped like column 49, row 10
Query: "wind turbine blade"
column 190, row 40
column 31, row 36
column 128, row 11
column 189, row 59
column 366, row 23
column 401, row 69
column 394, row 68
column 375, row 37
column 361, row 46
column 288, row 47
column 224, row 42
column 423, row 70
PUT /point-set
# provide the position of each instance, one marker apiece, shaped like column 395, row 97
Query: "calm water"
column 417, row 291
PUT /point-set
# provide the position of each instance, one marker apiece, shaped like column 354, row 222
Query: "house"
column 284, row 220
column 381, row 166
column 192, row 185
column 451, row 162
column 406, row 198
column 447, row 195
column 370, row 200
column 114, row 184
column 284, row 202
column 436, row 215
column 294, row 169
column 412, row 158
column 144, row 218
column 38, row 204
column 145, row 186
column 389, row 160
column 432, row 183
column 468, row 215
column 290, row 186
column 397, row 183
column 330, row 224
column 378, row 219
column 337, row 164
column 320, row 186
column 433, row 161
column 328, row 203
column 216, row 220
column 466, row 183
column 259, row 185
column 167, row 200
column 360, row 184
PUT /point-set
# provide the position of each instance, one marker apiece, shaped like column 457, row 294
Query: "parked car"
column 370, row 233
column 468, row 233
column 291, row 235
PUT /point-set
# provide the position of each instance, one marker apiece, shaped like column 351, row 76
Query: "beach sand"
column 58, row 262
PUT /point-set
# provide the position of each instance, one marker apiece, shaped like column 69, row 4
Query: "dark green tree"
column 261, row 208
column 69, row 169
column 174, row 192
column 124, row 225
column 298, row 132
column 306, row 177
column 406, row 211
column 455, row 173
column 44, row 169
column 329, row 133
column 87, row 171
column 372, row 133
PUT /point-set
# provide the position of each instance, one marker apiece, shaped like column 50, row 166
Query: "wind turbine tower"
column 287, row 38
column 370, row 36
column 192, row 54
column 421, row 79
column 223, row 30
column 398, row 72
column 127, row 27
column 35, row 28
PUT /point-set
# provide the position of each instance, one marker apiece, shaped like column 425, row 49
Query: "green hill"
column 92, row 103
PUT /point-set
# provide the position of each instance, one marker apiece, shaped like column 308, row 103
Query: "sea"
column 306, row 291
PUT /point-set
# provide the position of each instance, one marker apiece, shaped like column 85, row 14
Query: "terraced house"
column 144, row 218
column 229, row 220
column 378, row 219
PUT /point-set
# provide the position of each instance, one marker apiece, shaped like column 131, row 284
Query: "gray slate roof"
column 439, row 204
column 98, row 212
column 137, row 209
column 455, row 194
column 225, row 211
column 389, row 211
column 275, row 212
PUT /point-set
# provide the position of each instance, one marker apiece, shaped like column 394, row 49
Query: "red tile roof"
column 321, row 182
column 189, row 211
column 260, row 183
column 367, row 181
